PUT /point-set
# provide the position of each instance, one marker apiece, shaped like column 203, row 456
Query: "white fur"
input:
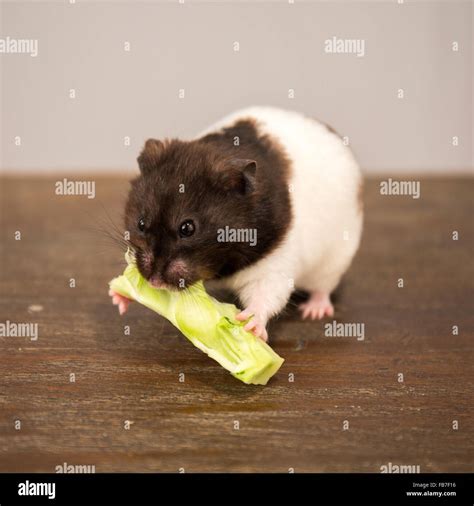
column 327, row 220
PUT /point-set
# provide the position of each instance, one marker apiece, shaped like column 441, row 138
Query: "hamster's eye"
column 141, row 225
column 187, row 228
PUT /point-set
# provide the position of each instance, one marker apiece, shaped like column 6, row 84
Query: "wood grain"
column 190, row 424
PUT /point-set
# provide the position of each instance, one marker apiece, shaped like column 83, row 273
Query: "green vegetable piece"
column 209, row 324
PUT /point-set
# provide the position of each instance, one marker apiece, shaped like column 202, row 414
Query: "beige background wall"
column 190, row 46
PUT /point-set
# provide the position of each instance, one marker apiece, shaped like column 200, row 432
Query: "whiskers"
column 110, row 234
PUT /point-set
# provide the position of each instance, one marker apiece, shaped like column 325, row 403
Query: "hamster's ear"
column 238, row 175
column 150, row 155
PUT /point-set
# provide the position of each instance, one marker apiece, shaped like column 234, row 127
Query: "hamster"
column 266, row 201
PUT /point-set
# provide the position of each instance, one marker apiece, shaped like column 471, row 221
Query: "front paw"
column 120, row 301
column 256, row 324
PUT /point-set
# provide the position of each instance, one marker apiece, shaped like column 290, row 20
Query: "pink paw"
column 317, row 306
column 255, row 325
column 120, row 301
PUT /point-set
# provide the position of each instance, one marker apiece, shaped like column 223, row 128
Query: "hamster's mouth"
column 157, row 283
column 162, row 285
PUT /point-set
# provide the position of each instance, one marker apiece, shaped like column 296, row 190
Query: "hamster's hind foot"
column 317, row 306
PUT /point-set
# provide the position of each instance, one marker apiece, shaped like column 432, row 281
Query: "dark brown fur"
column 218, row 192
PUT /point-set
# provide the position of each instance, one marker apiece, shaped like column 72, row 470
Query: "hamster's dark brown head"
column 193, row 213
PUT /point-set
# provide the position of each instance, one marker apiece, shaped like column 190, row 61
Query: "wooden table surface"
column 191, row 425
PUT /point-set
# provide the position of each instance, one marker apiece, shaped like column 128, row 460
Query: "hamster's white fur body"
column 324, row 234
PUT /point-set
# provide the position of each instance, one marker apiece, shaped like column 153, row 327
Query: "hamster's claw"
column 120, row 301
